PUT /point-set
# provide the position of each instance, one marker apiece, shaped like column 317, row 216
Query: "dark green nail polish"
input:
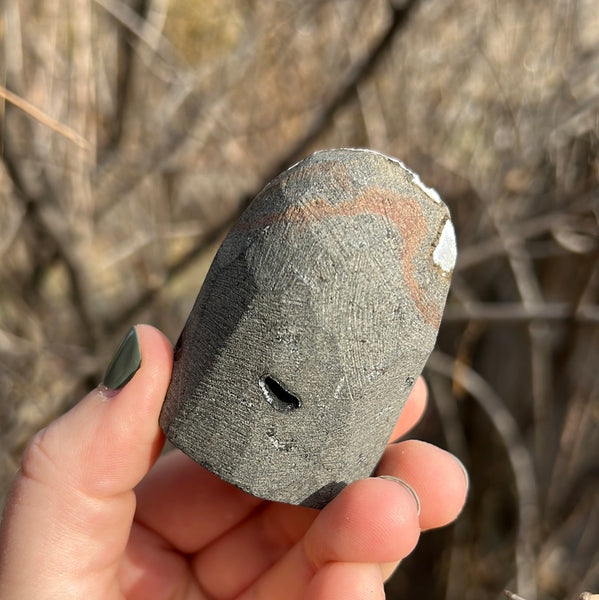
column 125, row 363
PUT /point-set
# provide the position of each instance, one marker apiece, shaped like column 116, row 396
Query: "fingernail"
column 125, row 362
column 406, row 485
column 466, row 476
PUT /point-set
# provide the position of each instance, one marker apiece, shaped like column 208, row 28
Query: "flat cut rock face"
column 316, row 317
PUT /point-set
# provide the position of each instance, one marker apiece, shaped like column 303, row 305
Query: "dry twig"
column 520, row 461
column 41, row 117
column 362, row 69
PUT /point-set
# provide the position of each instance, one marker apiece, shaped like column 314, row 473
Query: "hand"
column 94, row 514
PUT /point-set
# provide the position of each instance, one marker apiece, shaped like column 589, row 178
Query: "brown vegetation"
column 133, row 132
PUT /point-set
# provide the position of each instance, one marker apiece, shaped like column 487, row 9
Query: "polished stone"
column 314, row 321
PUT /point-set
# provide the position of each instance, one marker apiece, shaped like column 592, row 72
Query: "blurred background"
column 133, row 132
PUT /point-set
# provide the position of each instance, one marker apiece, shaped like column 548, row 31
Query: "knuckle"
column 38, row 462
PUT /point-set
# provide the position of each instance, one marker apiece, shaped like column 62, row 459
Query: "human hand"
column 93, row 513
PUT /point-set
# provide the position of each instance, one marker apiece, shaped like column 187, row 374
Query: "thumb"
column 68, row 516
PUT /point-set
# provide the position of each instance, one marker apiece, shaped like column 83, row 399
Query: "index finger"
column 413, row 410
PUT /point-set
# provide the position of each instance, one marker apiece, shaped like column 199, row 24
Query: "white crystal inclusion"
column 445, row 253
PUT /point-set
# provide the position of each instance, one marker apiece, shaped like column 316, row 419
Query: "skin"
column 93, row 513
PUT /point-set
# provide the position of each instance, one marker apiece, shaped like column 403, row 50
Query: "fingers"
column 72, row 503
column 201, row 506
column 187, row 505
column 234, row 561
column 371, row 521
column 339, row 533
column 412, row 411
column 242, row 543
column 216, row 520
column 346, row 581
column 151, row 568
column 437, row 477
column 107, row 442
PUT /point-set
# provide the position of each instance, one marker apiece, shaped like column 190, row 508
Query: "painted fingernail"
column 125, row 362
column 407, row 486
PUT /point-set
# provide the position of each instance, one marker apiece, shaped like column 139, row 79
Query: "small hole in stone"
column 277, row 396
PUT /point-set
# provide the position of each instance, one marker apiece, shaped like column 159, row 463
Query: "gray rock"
column 317, row 316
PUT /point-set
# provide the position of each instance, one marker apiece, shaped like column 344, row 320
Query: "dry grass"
column 132, row 133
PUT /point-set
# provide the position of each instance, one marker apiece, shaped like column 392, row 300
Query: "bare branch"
column 45, row 119
column 516, row 312
column 362, row 69
column 45, row 223
column 519, row 457
column 143, row 30
column 476, row 254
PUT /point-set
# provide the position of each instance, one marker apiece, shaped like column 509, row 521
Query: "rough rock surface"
column 317, row 316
